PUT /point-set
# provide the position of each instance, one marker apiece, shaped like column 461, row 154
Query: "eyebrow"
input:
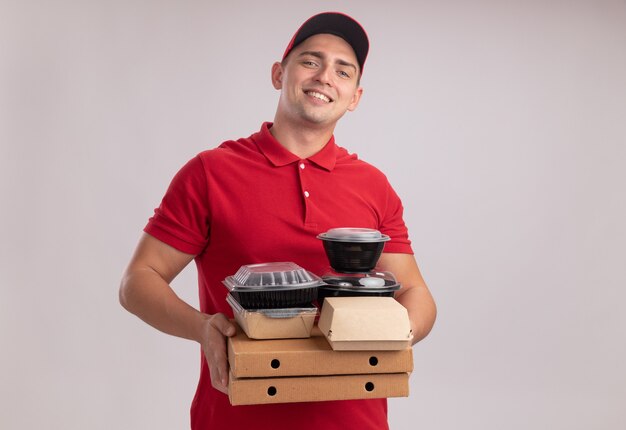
column 322, row 56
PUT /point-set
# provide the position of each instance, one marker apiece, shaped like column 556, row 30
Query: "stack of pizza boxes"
column 287, row 350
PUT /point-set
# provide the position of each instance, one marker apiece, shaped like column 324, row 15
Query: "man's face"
column 319, row 81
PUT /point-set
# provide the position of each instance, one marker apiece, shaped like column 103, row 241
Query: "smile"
column 319, row 96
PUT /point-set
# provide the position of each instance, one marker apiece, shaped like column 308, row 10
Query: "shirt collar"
column 279, row 156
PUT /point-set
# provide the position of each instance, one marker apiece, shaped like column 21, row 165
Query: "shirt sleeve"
column 392, row 224
column 182, row 218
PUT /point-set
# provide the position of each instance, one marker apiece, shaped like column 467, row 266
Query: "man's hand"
column 145, row 292
column 216, row 330
column 414, row 294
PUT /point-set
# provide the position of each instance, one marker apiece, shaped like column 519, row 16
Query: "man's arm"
column 145, row 292
column 414, row 294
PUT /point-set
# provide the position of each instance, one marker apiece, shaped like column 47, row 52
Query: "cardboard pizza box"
column 309, row 357
column 250, row 391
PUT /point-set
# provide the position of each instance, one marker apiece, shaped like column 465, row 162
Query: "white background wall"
column 500, row 123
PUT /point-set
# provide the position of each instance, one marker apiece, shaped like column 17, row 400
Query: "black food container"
column 353, row 250
column 273, row 286
column 372, row 284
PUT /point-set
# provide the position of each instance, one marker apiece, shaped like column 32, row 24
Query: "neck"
column 301, row 141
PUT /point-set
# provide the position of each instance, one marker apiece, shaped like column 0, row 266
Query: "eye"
column 343, row 74
column 309, row 63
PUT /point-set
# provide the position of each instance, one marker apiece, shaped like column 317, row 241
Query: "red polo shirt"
column 252, row 201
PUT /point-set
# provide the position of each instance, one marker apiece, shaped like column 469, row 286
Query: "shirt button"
column 302, row 166
column 306, row 194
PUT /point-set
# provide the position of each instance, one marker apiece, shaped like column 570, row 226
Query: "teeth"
column 319, row 96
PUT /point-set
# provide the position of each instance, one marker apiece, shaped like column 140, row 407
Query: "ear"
column 277, row 75
column 355, row 99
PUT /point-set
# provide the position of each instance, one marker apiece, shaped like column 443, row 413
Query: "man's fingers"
column 220, row 385
column 220, row 363
column 225, row 327
column 219, row 328
column 218, row 367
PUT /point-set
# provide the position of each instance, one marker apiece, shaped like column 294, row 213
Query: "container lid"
column 353, row 234
column 271, row 313
column 271, row 276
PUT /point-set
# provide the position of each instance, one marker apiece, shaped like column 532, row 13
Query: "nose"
column 324, row 75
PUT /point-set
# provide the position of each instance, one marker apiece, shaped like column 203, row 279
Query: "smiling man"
column 319, row 82
column 299, row 183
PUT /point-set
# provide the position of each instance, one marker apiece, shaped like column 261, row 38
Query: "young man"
column 265, row 198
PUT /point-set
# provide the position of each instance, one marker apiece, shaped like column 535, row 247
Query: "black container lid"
column 353, row 234
column 373, row 282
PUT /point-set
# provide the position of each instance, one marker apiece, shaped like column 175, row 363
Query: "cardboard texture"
column 365, row 323
column 258, row 326
column 306, row 357
column 277, row 324
column 249, row 391
column 361, row 350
